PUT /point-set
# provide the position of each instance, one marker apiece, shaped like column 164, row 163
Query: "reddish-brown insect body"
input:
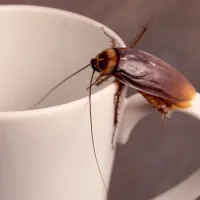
column 161, row 84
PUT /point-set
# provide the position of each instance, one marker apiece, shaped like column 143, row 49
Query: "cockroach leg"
column 102, row 80
column 164, row 110
column 163, row 113
column 141, row 33
column 163, row 116
column 161, row 105
column 117, row 96
column 113, row 41
column 98, row 79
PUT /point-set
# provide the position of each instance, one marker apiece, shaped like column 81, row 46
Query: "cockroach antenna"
column 92, row 135
column 60, row 83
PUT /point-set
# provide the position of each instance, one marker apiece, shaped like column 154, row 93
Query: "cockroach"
column 164, row 87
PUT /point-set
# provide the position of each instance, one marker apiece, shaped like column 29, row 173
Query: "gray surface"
column 153, row 160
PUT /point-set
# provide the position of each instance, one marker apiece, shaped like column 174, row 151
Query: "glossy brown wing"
column 153, row 76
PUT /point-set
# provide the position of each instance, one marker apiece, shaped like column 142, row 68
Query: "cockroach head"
column 106, row 62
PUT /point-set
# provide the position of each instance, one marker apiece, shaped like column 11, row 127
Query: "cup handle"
column 135, row 109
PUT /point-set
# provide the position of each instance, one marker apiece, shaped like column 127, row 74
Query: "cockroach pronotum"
column 162, row 85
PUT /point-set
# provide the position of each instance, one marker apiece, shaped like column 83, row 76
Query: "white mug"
column 46, row 153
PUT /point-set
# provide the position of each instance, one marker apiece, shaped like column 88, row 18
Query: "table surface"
column 153, row 160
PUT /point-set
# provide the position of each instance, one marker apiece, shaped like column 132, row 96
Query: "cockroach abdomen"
column 154, row 77
column 160, row 104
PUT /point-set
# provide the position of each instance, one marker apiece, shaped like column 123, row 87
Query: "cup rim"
column 74, row 103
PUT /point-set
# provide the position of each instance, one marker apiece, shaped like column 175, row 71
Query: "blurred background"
column 153, row 160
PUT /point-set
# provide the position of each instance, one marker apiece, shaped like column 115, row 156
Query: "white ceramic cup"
column 46, row 153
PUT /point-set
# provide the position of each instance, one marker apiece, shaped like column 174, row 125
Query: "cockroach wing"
column 153, row 76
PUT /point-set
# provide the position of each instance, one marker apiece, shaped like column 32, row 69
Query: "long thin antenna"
column 56, row 86
column 90, row 91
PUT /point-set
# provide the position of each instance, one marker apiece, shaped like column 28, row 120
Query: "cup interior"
column 39, row 48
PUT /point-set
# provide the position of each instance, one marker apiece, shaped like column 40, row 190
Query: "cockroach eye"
column 93, row 64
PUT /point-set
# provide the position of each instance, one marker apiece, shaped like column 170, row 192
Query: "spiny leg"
column 163, row 114
column 100, row 80
column 103, row 80
column 113, row 41
column 163, row 106
column 117, row 96
column 141, row 33
column 166, row 111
